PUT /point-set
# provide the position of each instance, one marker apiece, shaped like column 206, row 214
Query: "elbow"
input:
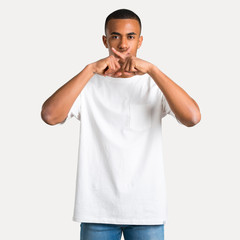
column 47, row 117
column 191, row 120
column 196, row 118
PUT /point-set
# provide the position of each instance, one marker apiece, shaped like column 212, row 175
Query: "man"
column 120, row 101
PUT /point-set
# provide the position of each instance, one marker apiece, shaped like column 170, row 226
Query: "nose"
column 123, row 43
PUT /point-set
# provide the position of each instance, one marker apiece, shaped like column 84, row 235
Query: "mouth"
column 124, row 51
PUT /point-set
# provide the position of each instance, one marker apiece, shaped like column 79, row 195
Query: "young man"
column 120, row 101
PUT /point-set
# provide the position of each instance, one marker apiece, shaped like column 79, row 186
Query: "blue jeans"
column 104, row 231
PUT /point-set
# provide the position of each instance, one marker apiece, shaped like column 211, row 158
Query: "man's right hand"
column 107, row 66
column 110, row 66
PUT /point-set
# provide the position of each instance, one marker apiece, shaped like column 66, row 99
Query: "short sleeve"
column 166, row 109
column 75, row 110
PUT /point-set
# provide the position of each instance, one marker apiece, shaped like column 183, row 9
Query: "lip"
column 124, row 51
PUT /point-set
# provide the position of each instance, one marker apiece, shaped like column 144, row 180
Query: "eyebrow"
column 116, row 33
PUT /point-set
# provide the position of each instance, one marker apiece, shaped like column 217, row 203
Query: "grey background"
column 46, row 43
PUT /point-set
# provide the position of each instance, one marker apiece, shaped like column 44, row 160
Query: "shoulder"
column 152, row 84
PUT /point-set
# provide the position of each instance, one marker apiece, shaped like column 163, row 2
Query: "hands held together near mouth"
column 123, row 64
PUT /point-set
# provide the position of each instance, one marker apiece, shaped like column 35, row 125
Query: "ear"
column 140, row 41
column 104, row 38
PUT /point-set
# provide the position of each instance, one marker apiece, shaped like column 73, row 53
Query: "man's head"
column 122, row 30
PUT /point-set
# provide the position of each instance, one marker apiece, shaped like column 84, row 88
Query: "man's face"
column 123, row 35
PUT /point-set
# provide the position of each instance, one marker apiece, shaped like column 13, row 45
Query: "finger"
column 125, row 64
column 118, row 60
column 128, row 52
column 108, row 72
column 117, row 74
column 128, row 65
column 128, row 74
column 111, row 67
column 121, row 55
column 132, row 67
column 128, row 68
column 117, row 65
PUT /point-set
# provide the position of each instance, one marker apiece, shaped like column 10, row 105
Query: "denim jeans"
column 104, row 231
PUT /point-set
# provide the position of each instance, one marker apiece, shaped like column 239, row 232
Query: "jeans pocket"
column 140, row 116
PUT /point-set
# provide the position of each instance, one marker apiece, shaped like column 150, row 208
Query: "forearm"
column 184, row 107
column 57, row 106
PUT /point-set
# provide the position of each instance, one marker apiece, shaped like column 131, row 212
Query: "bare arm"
column 184, row 107
column 55, row 109
column 57, row 106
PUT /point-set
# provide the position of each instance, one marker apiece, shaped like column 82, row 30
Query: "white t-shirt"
column 120, row 175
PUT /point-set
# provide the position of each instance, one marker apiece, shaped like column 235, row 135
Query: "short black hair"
column 122, row 14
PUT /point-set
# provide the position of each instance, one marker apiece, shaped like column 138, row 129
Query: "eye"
column 114, row 37
column 131, row 37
